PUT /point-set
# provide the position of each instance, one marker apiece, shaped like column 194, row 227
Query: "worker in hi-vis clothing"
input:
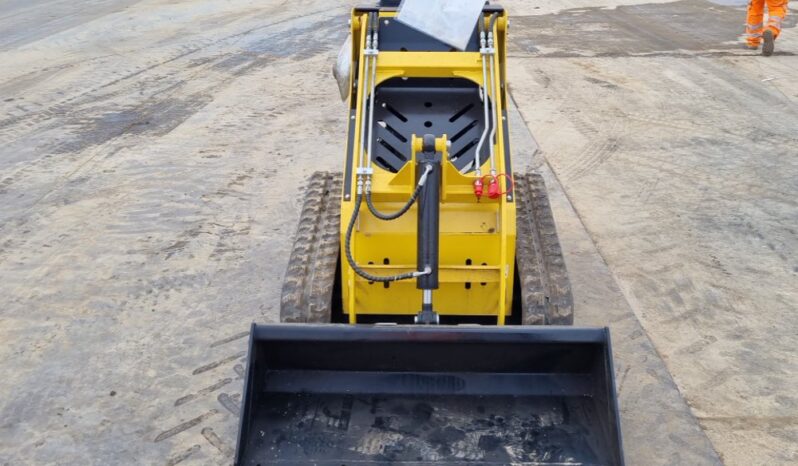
column 756, row 31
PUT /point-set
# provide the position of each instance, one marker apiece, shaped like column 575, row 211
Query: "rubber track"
column 308, row 283
column 545, row 289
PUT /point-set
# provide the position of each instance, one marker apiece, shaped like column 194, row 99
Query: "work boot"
column 769, row 43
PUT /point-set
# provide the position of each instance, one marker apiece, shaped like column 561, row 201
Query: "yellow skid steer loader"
column 426, row 304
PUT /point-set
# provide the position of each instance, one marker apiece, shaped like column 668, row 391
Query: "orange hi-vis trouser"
column 777, row 11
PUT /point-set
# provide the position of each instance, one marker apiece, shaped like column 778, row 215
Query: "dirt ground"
column 152, row 156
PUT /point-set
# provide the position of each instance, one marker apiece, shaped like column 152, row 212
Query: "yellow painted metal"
column 429, row 65
column 477, row 239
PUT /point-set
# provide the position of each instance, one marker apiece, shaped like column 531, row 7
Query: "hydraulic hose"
column 371, row 42
column 392, row 215
column 364, row 86
column 406, row 207
column 373, row 58
column 348, row 248
column 493, row 19
column 492, row 71
column 483, row 44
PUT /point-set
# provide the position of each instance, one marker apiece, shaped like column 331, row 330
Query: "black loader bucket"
column 349, row 395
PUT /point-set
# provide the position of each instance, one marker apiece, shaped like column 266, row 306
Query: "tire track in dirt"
column 122, row 126
column 167, row 105
column 182, row 456
column 222, row 442
column 603, row 141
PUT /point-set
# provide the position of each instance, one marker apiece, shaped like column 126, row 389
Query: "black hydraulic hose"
column 398, row 213
column 493, row 19
column 370, row 29
column 374, row 21
column 408, row 204
column 351, row 260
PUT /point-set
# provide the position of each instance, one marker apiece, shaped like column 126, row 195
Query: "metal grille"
column 404, row 107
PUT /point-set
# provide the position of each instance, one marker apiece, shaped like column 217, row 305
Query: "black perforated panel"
column 427, row 106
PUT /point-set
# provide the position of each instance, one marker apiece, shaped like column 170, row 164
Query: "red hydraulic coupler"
column 493, row 188
column 478, row 188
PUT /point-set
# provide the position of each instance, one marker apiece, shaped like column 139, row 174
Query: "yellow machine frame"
column 477, row 237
